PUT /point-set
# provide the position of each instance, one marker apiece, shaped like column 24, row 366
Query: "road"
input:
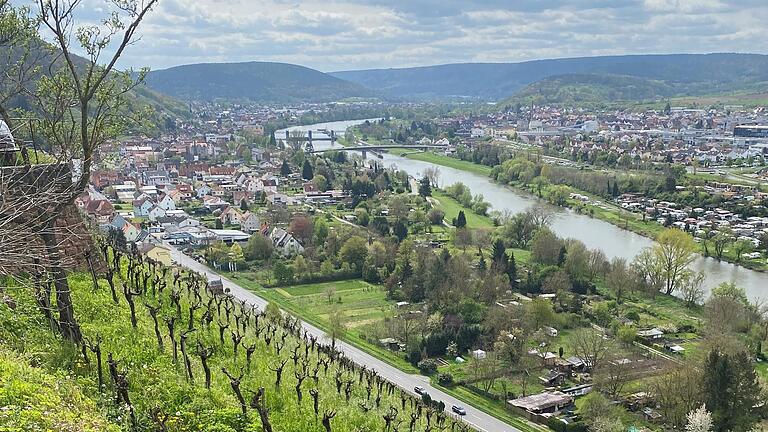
column 476, row 418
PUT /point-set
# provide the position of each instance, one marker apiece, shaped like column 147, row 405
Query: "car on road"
column 459, row 410
column 420, row 390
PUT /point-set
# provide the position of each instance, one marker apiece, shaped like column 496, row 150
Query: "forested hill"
column 590, row 89
column 682, row 73
column 254, row 82
column 39, row 60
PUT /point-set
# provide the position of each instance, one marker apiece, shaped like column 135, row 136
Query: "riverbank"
column 596, row 207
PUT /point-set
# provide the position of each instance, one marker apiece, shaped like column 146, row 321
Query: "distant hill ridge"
column 670, row 74
column 252, row 81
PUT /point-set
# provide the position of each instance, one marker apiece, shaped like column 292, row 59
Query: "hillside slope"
column 684, row 73
column 165, row 363
column 252, row 81
column 590, row 89
column 41, row 57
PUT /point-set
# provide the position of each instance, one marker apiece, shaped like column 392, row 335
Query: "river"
column 595, row 233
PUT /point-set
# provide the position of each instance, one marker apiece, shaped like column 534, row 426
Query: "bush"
column 414, row 355
column 445, row 379
column 427, row 367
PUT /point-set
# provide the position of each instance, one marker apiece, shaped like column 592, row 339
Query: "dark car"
column 459, row 410
column 420, row 390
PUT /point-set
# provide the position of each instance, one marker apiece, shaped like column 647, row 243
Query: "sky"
column 333, row 35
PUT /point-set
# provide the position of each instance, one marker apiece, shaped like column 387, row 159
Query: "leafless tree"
column 591, row 346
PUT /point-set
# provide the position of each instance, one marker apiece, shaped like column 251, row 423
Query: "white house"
column 250, row 222
column 166, row 203
column 141, row 207
column 155, row 212
column 285, row 244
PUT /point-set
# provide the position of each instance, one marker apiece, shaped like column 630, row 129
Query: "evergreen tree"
column 512, row 269
column 562, row 255
column 615, row 191
column 498, row 251
column 307, row 173
column 481, row 265
column 400, row 230
column 425, row 187
column 243, row 205
column 285, row 169
column 219, row 224
column 461, row 220
column 731, row 390
column 272, row 140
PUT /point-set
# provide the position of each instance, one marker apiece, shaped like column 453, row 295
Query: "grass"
column 60, row 392
column 451, row 207
column 362, row 304
column 451, row 162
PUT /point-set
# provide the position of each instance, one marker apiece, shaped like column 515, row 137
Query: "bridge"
column 373, row 148
column 330, row 135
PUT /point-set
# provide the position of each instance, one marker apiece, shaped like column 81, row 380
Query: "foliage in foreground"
column 168, row 394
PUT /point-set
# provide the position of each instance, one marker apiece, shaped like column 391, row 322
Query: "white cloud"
column 352, row 34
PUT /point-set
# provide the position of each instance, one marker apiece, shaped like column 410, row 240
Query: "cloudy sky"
column 359, row 34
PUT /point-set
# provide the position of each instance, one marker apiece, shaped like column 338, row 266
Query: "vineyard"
column 163, row 352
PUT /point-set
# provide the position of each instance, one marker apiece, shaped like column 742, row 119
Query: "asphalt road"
column 474, row 417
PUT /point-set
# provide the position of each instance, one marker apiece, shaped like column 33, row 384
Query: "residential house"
column 159, row 253
column 284, row 243
column 250, row 222
column 231, row 216
column 155, row 213
column 142, row 206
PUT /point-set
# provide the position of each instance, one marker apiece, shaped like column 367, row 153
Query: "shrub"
column 414, row 355
column 445, row 379
column 427, row 367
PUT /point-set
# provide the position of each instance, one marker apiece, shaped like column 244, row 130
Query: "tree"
column 336, row 324
column 741, row 247
column 307, row 172
column 283, row 273
column 300, row 266
column 597, row 412
column 617, row 278
column 721, row 241
column 556, row 282
column 301, row 228
column 539, row 313
column 330, row 292
column 80, row 105
column 425, row 187
column 258, row 247
column 731, row 390
column 678, row 392
column 236, row 257
column 462, row 237
column 591, row 347
column 699, row 420
column 510, row 346
column 400, row 230
column 433, row 174
column 354, row 252
column 243, row 205
column 558, row 195
column 435, row 216
column 285, row 169
column 461, row 220
column 691, row 289
column 666, row 263
column 320, row 231
column 545, row 247
column 321, row 182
